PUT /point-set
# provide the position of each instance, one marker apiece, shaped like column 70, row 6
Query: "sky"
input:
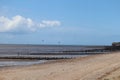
column 65, row 22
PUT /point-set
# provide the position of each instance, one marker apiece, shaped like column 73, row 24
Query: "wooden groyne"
column 32, row 58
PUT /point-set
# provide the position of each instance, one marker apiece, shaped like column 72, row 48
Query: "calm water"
column 30, row 62
column 10, row 50
column 20, row 63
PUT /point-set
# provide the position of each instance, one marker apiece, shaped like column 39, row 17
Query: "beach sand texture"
column 96, row 67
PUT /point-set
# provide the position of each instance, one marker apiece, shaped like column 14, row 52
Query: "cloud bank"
column 21, row 24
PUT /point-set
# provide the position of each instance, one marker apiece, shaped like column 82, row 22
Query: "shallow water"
column 32, row 62
column 20, row 63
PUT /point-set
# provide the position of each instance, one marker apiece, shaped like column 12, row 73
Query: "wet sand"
column 96, row 67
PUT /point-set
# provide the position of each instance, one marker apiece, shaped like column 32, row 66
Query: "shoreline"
column 86, row 68
column 28, row 62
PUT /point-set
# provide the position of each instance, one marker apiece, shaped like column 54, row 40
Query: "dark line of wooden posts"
column 33, row 58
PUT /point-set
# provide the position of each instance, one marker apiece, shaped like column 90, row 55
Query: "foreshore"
column 95, row 67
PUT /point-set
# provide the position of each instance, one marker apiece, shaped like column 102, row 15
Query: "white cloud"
column 45, row 23
column 19, row 23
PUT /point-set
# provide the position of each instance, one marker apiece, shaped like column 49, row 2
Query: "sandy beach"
column 96, row 67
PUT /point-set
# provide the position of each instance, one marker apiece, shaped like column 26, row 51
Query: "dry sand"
column 97, row 67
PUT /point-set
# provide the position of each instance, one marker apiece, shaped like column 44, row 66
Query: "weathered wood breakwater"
column 34, row 57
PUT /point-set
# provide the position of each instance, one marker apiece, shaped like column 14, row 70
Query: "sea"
column 37, row 50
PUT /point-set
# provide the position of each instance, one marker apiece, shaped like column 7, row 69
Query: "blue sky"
column 69, row 22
